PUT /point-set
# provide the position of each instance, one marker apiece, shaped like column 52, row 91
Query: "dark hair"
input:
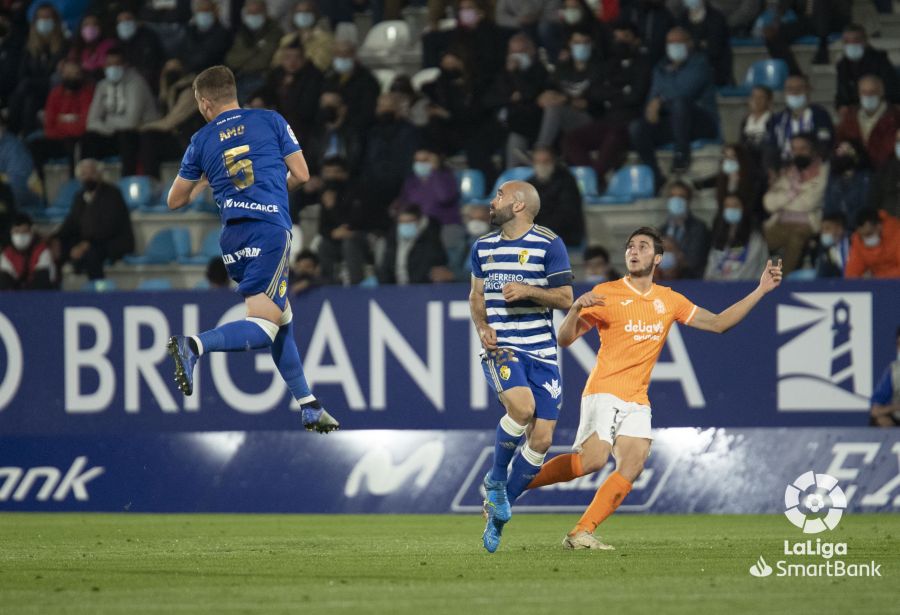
column 684, row 186
column 410, row 208
column 855, row 27
column 21, row 218
column 836, row 217
column 216, row 83
column 581, row 30
column 296, row 44
column 765, row 89
column 336, row 161
column 868, row 215
column 650, row 232
column 117, row 51
column 216, row 273
column 627, row 25
column 592, row 252
column 307, row 255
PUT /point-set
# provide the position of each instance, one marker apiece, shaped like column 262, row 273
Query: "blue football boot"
column 318, row 419
column 497, row 511
column 180, row 350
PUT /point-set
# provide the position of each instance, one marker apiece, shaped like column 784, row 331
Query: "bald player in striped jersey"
column 520, row 273
column 633, row 317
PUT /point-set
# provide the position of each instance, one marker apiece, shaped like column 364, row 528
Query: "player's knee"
column 630, row 467
column 540, row 442
column 520, row 412
column 592, row 463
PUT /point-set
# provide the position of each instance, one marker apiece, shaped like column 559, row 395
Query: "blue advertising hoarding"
column 407, row 358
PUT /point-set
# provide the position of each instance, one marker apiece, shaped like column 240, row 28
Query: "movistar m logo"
column 382, row 476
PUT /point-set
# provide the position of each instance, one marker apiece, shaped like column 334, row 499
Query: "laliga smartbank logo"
column 814, row 503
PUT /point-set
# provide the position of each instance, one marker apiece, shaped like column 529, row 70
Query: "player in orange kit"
column 633, row 316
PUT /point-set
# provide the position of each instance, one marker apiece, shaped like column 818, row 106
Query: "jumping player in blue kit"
column 520, row 273
column 250, row 158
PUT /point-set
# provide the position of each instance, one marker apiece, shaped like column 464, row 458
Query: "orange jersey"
column 633, row 328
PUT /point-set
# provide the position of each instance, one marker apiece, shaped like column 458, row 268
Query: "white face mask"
column 522, row 60
column 854, row 51
column 204, row 20
column 869, row 103
column 21, row 241
column 677, row 52
column 126, row 29
column 730, row 166
column 795, row 101
column 254, row 21
column 342, row 65
column 571, row 15
column 872, row 241
column 827, row 240
column 114, row 73
column 304, row 19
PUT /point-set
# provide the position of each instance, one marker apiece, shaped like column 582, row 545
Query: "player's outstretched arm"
column 299, row 171
column 573, row 326
column 559, row 298
column 477, row 308
column 184, row 191
column 722, row 322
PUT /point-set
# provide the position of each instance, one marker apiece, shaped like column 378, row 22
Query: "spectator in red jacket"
column 875, row 246
column 65, row 117
column 26, row 264
column 874, row 122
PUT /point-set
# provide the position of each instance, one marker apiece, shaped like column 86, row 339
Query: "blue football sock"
column 287, row 359
column 525, row 466
column 509, row 434
column 237, row 335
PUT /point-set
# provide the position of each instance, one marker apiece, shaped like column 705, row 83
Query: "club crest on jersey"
column 282, row 288
column 490, row 258
column 659, row 306
column 523, row 257
column 504, row 372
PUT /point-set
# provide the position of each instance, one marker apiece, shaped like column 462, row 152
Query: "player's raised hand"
column 588, row 299
column 488, row 337
column 516, row 291
column 771, row 276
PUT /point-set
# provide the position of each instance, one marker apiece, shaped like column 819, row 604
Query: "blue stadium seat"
column 138, row 191
column 509, row 175
column 628, row 184
column 61, row 205
column 208, row 249
column 99, row 286
column 587, row 181
column 166, row 246
column 471, row 185
column 155, row 284
column 695, row 144
column 769, row 73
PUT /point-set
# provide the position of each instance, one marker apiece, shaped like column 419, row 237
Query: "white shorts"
column 610, row 417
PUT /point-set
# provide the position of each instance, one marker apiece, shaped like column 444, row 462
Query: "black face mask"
column 622, row 50
column 452, row 73
column 842, row 164
column 90, row 185
column 334, row 184
column 385, row 118
column 173, row 75
column 71, row 84
column 328, row 114
column 802, row 162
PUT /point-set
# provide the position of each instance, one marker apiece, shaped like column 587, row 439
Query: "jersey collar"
column 636, row 291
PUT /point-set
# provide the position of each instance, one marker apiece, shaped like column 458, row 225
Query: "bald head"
column 523, row 192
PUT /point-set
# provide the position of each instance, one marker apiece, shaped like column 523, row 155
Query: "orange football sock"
column 560, row 469
column 606, row 501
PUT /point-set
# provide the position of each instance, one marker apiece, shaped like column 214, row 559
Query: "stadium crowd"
column 547, row 84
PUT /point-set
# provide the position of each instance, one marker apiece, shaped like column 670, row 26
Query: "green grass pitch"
column 428, row 565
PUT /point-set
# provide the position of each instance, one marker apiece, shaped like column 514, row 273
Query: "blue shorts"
column 257, row 255
column 505, row 369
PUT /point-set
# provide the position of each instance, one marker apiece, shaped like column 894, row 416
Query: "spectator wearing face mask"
column 433, row 187
column 535, row 17
column 513, row 97
column 681, row 106
column 833, row 249
column 140, row 47
column 617, row 98
column 887, row 185
column 560, row 197
column 90, row 46
column 477, row 222
column 26, row 263
column 800, row 117
column 577, row 16
column 414, row 253
column 122, row 103
column 206, row 41
column 875, row 246
column 874, row 123
column 885, row 410
column 817, row 18
column 850, row 185
column 597, row 268
column 739, row 251
column 794, row 202
column 342, row 236
column 740, row 175
column 311, row 29
column 45, row 47
column 654, row 21
column 355, row 82
column 255, row 43
column 294, row 87
column 858, row 60
column 709, row 30
column 689, row 235
column 98, row 227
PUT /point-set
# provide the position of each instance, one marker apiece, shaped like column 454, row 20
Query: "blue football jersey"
column 538, row 257
column 242, row 153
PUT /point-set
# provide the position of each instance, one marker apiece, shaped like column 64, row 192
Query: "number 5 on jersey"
column 234, row 166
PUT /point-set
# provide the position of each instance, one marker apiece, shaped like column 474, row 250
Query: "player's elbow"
column 302, row 175
column 564, row 339
column 173, row 201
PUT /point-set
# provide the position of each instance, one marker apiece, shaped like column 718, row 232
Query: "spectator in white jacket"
column 122, row 103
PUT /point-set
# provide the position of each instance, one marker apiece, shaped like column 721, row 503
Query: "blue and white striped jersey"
column 538, row 257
